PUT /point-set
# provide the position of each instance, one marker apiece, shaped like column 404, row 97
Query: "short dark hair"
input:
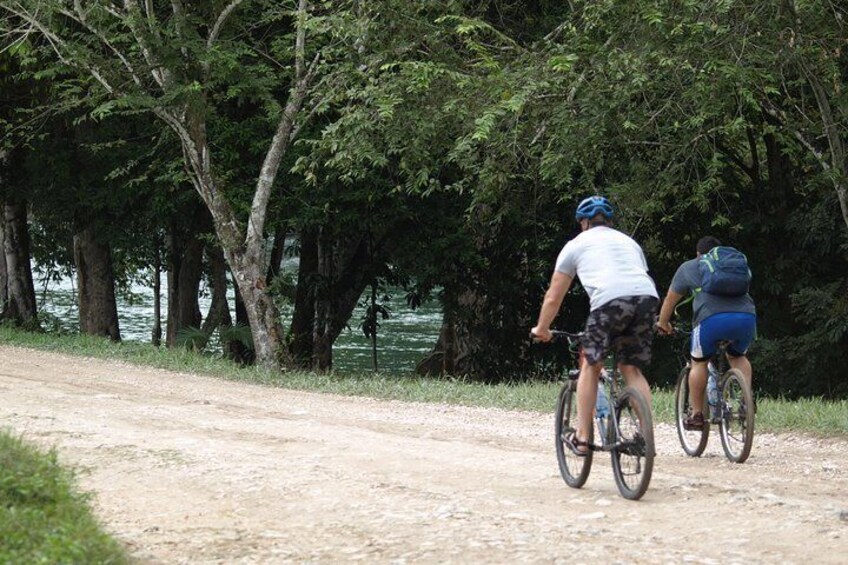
column 599, row 220
column 706, row 243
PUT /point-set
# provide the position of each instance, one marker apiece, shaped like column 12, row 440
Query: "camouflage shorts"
column 625, row 325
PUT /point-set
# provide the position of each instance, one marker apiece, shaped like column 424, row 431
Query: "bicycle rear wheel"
column 737, row 423
column 693, row 442
column 633, row 454
column 573, row 468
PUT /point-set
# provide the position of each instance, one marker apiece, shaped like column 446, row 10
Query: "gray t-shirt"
column 688, row 278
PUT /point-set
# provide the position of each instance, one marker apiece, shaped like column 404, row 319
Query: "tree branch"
column 838, row 180
column 282, row 138
column 56, row 43
column 300, row 42
column 834, row 140
column 156, row 71
column 219, row 23
column 79, row 16
column 314, row 110
column 736, row 159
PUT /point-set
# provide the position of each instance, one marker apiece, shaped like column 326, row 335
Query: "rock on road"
column 191, row 469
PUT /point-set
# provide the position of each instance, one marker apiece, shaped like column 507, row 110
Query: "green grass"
column 43, row 519
column 826, row 418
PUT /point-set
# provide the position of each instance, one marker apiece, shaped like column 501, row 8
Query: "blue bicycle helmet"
column 592, row 206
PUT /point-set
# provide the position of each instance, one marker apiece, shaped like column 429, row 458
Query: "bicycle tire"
column 573, row 468
column 634, row 417
column 737, row 423
column 693, row 442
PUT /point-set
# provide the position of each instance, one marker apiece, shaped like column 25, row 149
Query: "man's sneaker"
column 694, row 422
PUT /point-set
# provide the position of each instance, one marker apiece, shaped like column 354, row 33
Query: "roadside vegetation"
column 433, row 151
column 43, row 517
column 810, row 415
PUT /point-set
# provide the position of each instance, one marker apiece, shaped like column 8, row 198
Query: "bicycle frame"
column 607, row 379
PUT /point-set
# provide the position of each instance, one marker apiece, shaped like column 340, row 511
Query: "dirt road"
column 188, row 469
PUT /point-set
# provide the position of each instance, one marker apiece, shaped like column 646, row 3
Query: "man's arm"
column 671, row 300
column 560, row 283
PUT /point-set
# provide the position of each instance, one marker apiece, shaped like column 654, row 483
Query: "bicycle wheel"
column 573, row 468
column 633, row 454
column 737, row 422
column 693, row 442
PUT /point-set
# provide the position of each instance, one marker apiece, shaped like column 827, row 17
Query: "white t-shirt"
column 609, row 264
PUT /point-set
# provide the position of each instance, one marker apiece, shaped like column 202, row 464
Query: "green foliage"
column 43, row 519
column 192, row 338
column 239, row 333
column 465, row 132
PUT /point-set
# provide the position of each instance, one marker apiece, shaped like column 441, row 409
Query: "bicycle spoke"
column 573, row 468
column 693, row 442
column 633, row 454
column 737, row 425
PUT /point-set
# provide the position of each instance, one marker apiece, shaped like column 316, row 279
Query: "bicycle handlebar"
column 566, row 335
column 559, row 336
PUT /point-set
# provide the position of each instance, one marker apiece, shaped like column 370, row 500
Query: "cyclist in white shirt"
column 623, row 306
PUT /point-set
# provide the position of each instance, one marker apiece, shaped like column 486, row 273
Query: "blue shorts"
column 736, row 327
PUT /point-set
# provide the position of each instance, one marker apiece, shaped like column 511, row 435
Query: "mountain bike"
column 733, row 412
column 627, row 432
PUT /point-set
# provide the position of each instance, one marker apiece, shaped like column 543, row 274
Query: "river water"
column 403, row 339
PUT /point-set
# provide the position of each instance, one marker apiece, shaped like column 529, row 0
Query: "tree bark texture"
column 219, row 310
column 342, row 277
column 278, row 252
column 156, row 332
column 20, row 307
column 303, row 317
column 185, row 271
column 333, row 273
column 236, row 350
column 98, row 309
column 262, row 313
column 4, row 275
column 452, row 352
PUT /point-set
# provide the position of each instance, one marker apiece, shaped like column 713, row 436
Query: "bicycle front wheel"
column 737, row 421
column 573, row 468
column 693, row 442
column 633, row 451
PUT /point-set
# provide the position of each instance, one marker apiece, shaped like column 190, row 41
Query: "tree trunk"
column 4, row 275
column 98, row 310
column 322, row 344
column 157, row 293
column 278, row 252
column 236, row 350
column 20, row 307
column 248, row 265
column 342, row 270
column 451, row 354
column 185, row 271
column 374, row 332
column 261, row 311
column 219, row 310
column 303, row 317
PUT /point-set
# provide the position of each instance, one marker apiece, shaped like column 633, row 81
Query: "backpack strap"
column 687, row 300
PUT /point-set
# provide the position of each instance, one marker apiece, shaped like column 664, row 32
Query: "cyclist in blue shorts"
column 715, row 318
